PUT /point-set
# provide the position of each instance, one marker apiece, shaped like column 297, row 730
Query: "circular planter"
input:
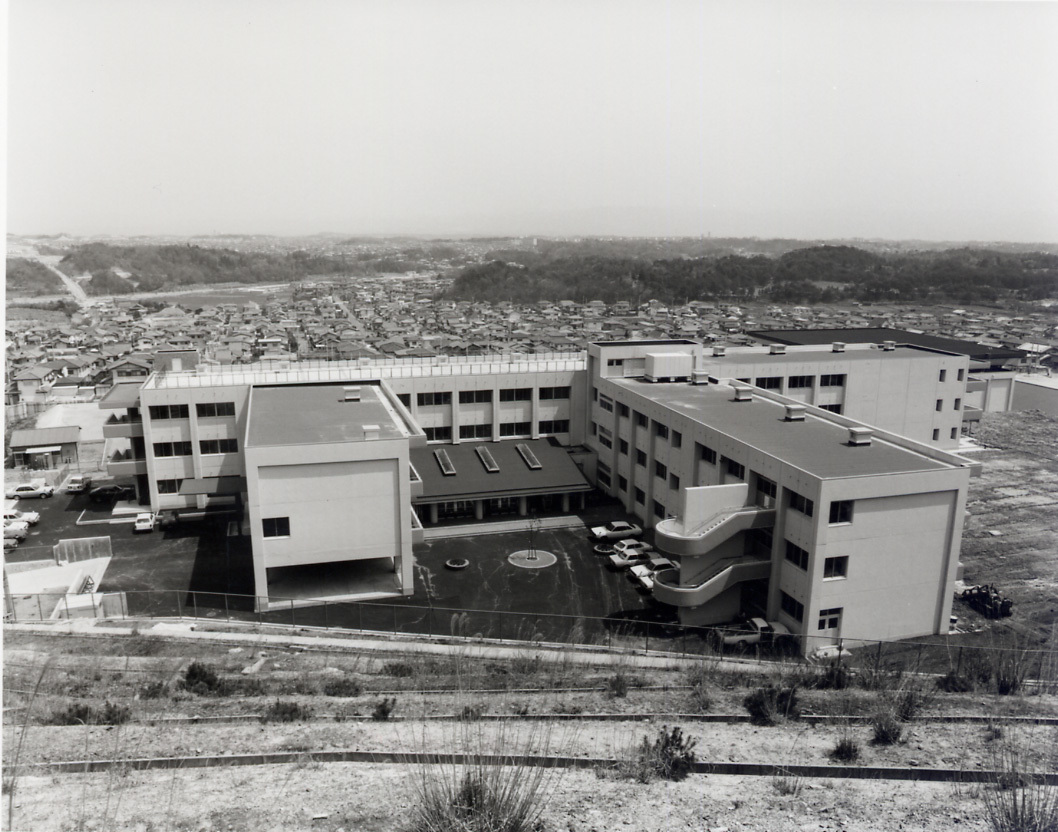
column 457, row 563
column 603, row 549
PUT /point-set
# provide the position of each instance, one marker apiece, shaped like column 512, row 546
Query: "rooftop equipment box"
column 669, row 366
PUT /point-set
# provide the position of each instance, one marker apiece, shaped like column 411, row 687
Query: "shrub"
column 113, row 714
column 617, row 686
column 788, row 785
column 154, row 690
column 909, row 703
column 75, row 713
column 202, row 679
column 835, row 677
column 846, row 751
column 342, row 686
column 887, row 728
column 953, row 682
column 670, row 756
column 286, row 711
column 772, row 703
column 472, row 712
column 383, row 708
column 1018, row 801
column 399, row 670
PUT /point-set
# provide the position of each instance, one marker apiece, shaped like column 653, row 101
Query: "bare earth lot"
column 337, row 693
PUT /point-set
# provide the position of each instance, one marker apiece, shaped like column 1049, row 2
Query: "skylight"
column 485, row 455
column 447, row 468
column 528, row 456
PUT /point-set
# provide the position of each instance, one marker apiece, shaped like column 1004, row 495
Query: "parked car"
column 18, row 531
column 755, row 631
column 106, row 493
column 14, row 515
column 635, row 552
column 10, row 543
column 144, row 523
column 78, row 484
column 624, row 546
column 643, row 573
column 29, row 490
column 616, row 530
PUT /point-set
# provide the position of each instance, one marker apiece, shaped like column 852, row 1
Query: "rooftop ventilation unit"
column 528, row 456
column 888, row 346
column 719, row 351
column 487, row 459
column 777, row 349
column 371, row 432
column 860, row 436
column 699, row 377
column 839, row 346
column 743, row 393
column 445, row 462
column 795, row 413
column 350, row 394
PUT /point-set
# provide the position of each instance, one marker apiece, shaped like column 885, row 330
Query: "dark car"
column 108, row 493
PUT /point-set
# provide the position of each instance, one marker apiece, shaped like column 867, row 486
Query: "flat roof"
column 557, row 472
column 122, row 395
column 760, row 355
column 817, row 445
column 876, row 335
column 25, row 437
column 300, row 414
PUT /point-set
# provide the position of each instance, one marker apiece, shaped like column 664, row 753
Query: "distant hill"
column 28, row 278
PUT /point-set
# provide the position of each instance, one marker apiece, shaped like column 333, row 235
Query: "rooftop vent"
column 860, row 436
column 699, row 377
column 888, row 346
column 719, row 351
column 777, row 349
column 743, row 393
column 795, row 413
column 839, row 346
column 351, row 394
column 371, row 431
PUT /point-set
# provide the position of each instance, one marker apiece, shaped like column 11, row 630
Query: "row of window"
column 510, row 394
column 954, row 434
column 182, row 411
column 206, row 446
column 547, row 426
column 944, row 375
column 828, row 619
column 797, row 382
column 833, row 568
column 957, row 405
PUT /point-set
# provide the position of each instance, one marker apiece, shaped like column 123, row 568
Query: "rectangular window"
column 622, row 410
column 943, row 375
column 405, row 399
column 516, row 394
column 169, row 411
column 172, row 449
column 735, row 469
column 766, row 489
column 276, row 526
column 659, row 510
column 594, row 394
column 622, row 483
column 548, row 393
column 602, row 474
column 954, row 433
column 438, row 434
column 958, row 404
column 796, row 555
column 661, row 431
column 829, row 619
column 840, row 511
column 641, row 419
column 605, row 437
column 674, row 482
column 615, row 362
column 640, row 496
column 802, row 504
column 792, row 607
column 769, row 383
column 834, row 568
column 833, row 408
column 677, row 439
column 554, row 426
column 475, row 431
column 515, row 428
column 169, row 486
column 218, row 446
column 660, row 470
column 475, row 396
column 641, row 458
column 940, row 405
column 431, row 399
column 832, row 380
column 961, row 375
column 622, row 446
column 207, row 409
column 800, row 382
column 606, row 403
column 936, row 434
column 704, row 452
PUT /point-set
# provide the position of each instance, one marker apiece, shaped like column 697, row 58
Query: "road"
column 49, row 261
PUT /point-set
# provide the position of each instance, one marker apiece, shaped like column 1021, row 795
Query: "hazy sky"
column 795, row 119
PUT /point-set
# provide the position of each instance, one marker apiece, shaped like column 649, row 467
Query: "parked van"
column 78, row 484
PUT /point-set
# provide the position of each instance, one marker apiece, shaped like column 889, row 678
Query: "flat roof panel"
column 122, row 395
column 817, row 357
column 301, row 414
column 816, row 445
column 876, row 335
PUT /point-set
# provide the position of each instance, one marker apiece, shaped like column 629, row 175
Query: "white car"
column 643, row 573
column 13, row 515
column 78, row 484
column 29, row 490
column 144, row 523
column 755, row 631
column 632, row 552
column 616, row 530
column 10, row 543
column 18, row 531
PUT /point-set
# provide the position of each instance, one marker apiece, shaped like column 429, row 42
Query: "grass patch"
column 670, row 757
column 847, row 750
column 286, row 711
column 771, row 704
column 887, row 728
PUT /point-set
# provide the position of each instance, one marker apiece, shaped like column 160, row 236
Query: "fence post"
column 326, row 620
column 394, row 608
column 958, row 663
column 66, row 601
column 257, row 606
column 360, row 617
column 292, row 623
column 429, row 621
column 194, row 600
column 646, row 646
column 227, row 617
column 179, row 607
column 40, row 612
